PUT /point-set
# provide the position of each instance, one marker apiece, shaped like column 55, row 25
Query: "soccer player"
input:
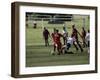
column 56, row 40
column 46, row 35
column 65, row 35
column 88, row 40
column 54, row 45
column 75, row 35
column 69, row 43
column 83, row 37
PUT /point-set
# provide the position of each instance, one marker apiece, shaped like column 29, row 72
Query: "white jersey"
column 87, row 37
column 70, row 40
column 64, row 33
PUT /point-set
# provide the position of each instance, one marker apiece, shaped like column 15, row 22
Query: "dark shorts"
column 88, row 44
column 68, row 45
column 46, row 38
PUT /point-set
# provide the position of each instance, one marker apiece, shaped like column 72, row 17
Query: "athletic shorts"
column 68, row 46
column 88, row 44
column 58, row 45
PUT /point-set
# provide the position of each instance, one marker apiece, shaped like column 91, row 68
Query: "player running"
column 69, row 43
column 65, row 35
column 56, row 41
column 54, row 47
column 75, row 35
column 83, row 37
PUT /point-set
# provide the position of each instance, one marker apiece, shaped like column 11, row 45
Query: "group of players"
column 68, row 41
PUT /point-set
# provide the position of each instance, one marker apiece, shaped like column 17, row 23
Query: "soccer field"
column 39, row 55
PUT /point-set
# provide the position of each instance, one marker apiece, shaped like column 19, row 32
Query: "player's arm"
column 61, row 35
column 51, row 38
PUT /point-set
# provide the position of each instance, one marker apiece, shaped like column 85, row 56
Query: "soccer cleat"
column 65, row 52
column 81, row 50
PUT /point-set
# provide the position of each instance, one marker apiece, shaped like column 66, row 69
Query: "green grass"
column 39, row 55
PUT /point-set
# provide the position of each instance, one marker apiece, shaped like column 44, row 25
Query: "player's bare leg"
column 75, row 46
column 59, row 51
column 64, row 49
column 46, row 42
column 79, row 46
column 54, row 49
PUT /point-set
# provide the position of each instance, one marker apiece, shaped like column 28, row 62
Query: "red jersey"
column 56, row 37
